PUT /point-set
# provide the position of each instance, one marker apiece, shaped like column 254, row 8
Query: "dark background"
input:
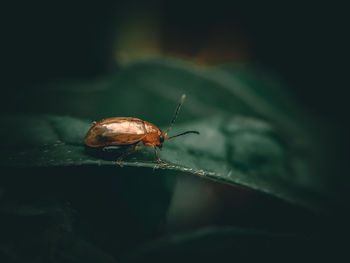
column 300, row 42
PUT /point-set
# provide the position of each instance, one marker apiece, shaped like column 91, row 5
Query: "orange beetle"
column 121, row 132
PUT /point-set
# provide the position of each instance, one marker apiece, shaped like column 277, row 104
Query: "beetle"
column 122, row 132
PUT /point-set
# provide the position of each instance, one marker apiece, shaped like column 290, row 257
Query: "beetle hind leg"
column 136, row 147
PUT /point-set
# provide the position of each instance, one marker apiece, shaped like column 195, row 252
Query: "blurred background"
column 300, row 44
column 303, row 43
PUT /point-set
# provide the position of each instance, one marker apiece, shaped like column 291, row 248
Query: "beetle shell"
column 122, row 131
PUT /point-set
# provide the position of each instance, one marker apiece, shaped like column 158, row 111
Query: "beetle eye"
column 161, row 139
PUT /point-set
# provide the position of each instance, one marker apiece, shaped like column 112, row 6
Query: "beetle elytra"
column 120, row 132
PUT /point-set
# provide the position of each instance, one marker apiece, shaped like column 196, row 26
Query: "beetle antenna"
column 176, row 113
column 196, row 132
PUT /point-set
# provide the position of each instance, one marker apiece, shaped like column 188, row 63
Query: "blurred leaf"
column 146, row 88
column 109, row 208
column 44, row 234
column 224, row 244
column 239, row 151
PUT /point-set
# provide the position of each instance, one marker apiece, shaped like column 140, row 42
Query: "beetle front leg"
column 157, row 157
column 126, row 154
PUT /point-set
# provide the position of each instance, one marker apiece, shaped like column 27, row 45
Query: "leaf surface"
column 238, row 151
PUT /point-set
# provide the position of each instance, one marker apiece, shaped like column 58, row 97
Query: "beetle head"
column 160, row 140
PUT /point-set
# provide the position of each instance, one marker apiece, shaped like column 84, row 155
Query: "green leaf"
column 252, row 136
column 239, row 151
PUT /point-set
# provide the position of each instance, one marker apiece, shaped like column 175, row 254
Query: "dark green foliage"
column 60, row 202
column 235, row 150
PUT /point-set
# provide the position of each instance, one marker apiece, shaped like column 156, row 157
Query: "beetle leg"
column 126, row 154
column 157, row 157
